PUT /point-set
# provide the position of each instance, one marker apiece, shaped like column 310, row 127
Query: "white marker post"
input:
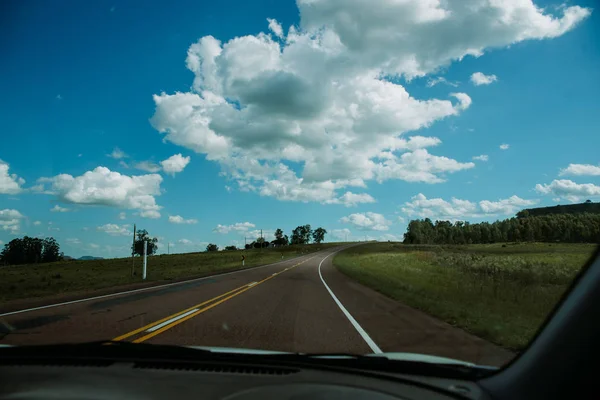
column 145, row 259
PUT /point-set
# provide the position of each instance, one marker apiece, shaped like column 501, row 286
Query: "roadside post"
column 145, row 259
column 243, row 260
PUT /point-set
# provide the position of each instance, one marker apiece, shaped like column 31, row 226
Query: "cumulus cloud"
column 10, row 220
column 275, row 27
column 368, row 221
column 239, row 227
column 569, row 190
column 479, row 78
column 350, row 199
column 328, row 95
column 581, row 169
column 456, row 209
column 115, row 230
column 482, row 157
column 178, row 219
column 185, row 242
column 175, row 164
column 9, row 183
column 147, row 166
column 108, row 188
column 122, row 215
column 117, row 154
column 36, row 223
column 504, row 146
column 58, row 208
column 419, row 166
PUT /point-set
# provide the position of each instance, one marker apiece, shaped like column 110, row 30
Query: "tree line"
column 568, row 228
column 587, row 207
column 30, row 250
column 302, row 234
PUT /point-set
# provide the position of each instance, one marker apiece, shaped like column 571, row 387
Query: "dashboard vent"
column 56, row 363
column 217, row 368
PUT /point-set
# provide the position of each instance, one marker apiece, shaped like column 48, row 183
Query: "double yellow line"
column 162, row 325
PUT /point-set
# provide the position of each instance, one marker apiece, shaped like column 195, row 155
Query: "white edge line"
column 66, row 303
column 156, row 327
column 354, row 323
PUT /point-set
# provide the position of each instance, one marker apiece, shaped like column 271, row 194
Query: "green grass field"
column 39, row 280
column 502, row 294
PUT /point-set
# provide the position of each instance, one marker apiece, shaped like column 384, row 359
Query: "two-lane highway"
column 298, row 305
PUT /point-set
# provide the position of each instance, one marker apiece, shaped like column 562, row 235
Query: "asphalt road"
column 299, row 305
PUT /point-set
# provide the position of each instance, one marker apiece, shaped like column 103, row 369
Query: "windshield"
column 413, row 178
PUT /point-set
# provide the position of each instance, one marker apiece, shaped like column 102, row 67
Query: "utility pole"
column 262, row 241
column 168, row 247
column 133, row 254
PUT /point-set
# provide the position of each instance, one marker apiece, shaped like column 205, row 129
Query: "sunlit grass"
column 502, row 294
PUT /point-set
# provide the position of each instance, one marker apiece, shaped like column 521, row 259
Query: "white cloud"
column 479, row 78
column 505, row 206
column 105, row 187
column 327, row 94
column 115, row 230
column 36, row 223
column 58, row 208
column 117, row 154
column 581, row 169
column 9, row 183
column 237, row 227
column 73, row 241
column 431, row 82
column 350, row 199
column 368, row 221
column 147, row 166
column 267, row 234
column 174, row 164
column 483, row 157
column 504, row 146
column 340, row 234
column 275, row 27
column 10, row 220
column 569, row 190
column 419, row 166
column 185, row 242
column 94, row 245
column 1, row 243
column 122, row 215
column 177, row 219
column 456, row 209
column 152, row 214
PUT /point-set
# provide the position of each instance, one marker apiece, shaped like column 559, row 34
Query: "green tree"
column 212, row 247
column 138, row 246
column 318, row 235
column 230, row 248
column 302, row 234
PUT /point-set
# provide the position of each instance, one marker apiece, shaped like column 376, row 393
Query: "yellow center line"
column 239, row 290
column 181, row 320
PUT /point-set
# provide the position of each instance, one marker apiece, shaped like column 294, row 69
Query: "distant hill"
column 90, row 258
column 587, row 207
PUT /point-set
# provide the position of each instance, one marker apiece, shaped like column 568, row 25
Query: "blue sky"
column 269, row 128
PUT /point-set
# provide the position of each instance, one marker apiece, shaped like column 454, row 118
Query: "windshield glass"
column 318, row 176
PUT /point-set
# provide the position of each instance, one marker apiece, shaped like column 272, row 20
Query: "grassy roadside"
column 39, row 280
column 501, row 294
